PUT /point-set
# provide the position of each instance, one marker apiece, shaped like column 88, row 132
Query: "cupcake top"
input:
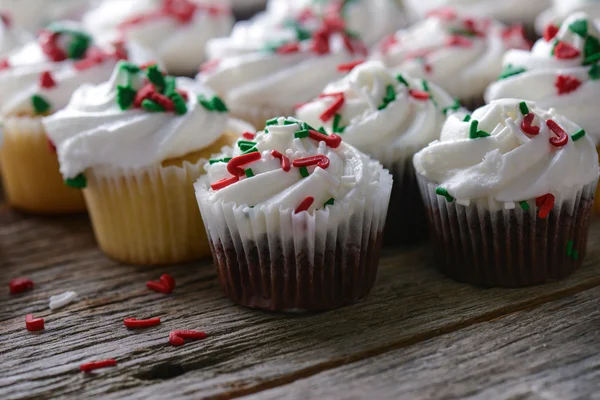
column 292, row 166
column 509, row 152
column 462, row 54
column 285, row 71
column 380, row 112
column 561, row 9
column 561, row 71
column 508, row 11
column 40, row 77
column 176, row 30
column 33, row 14
column 11, row 38
column 140, row 117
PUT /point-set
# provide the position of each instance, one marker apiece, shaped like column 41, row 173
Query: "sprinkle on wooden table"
column 20, row 285
column 33, row 324
column 133, row 323
column 177, row 338
column 63, row 299
column 93, row 365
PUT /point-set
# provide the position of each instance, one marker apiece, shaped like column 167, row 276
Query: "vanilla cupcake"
column 37, row 80
column 509, row 191
column 561, row 9
column 295, row 218
column 135, row 145
column 175, row 30
column 462, row 54
column 389, row 117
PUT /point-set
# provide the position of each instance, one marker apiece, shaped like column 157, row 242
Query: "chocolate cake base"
column 272, row 276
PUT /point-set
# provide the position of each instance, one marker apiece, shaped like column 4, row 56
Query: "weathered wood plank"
column 247, row 350
column 551, row 352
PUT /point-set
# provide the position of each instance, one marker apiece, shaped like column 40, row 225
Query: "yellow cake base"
column 30, row 170
column 150, row 216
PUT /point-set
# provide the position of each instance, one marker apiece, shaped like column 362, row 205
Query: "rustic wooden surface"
column 418, row 335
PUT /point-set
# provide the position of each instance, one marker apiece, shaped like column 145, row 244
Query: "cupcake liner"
column 281, row 261
column 30, row 170
column 149, row 216
column 487, row 245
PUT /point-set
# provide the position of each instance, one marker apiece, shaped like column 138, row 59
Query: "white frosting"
column 539, row 80
column 93, row 131
column 180, row 45
column 271, row 80
column 561, row 9
column 11, row 38
column 407, row 122
column 349, row 175
column 509, row 165
column 460, row 54
column 21, row 80
column 509, row 11
column 34, row 14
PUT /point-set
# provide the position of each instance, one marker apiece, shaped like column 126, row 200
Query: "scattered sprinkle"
column 166, row 284
column 285, row 162
column 578, row 135
column 524, row 205
column 510, row 70
column 91, row 366
column 440, row 191
column 561, row 138
column 33, row 324
column 177, row 338
column 550, row 32
column 40, row 105
column 20, row 285
column 305, row 204
column 523, row 107
column 546, row 203
column 133, row 323
column 566, row 84
column 62, row 300
column 304, row 172
column 318, row 160
column 527, row 125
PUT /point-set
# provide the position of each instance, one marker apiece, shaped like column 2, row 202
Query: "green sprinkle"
column 523, row 107
column 467, row 118
column 575, row 255
column 170, row 85
column 569, row 248
column 251, row 150
column 591, row 50
column 129, row 67
column 337, row 118
column 302, row 34
column 78, row 47
column 152, row 106
column 440, row 191
column 179, row 102
column 204, row 102
column 306, row 126
column 79, row 182
column 125, row 96
column 249, row 173
column 578, row 135
column 455, row 106
column 304, row 172
column 401, row 79
column 473, row 129
column 554, row 47
column 288, row 122
column 594, row 72
column 390, row 94
column 272, row 121
column 524, row 205
column 301, row 134
column 509, row 71
column 40, row 105
column 156, row 77
column 329, row 202
column 219, row 104
column 322, row 130
column 382, row 106
column 579, row 27
column 425, row 86
column 245, row 145
column 215, row 160
column 482, row 134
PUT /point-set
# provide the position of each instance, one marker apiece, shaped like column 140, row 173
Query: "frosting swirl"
column 40, row 77
column 175, row 30
column 379, row 112
column 461, row 54
column 509, row 151
column 138, row 118
column 561, row 71
column 290, row 165
column 561, row 9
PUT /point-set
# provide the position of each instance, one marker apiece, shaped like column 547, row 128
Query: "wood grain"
column 247, row 351
column 551, row 352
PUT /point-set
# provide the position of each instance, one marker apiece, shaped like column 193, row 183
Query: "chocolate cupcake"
column 389, row 117
column 295, row 218
column 508, row 192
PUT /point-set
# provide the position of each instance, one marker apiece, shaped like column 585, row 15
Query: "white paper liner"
column 278, row 260
column 488, row 245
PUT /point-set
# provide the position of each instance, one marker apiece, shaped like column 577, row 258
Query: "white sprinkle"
column 326, row 176
column 348, row 181
column 298, row 146
column 61, row 300
column 509, row 205
column 281, row 120
column 289, row 153
column 463, row 202
column 322, row 148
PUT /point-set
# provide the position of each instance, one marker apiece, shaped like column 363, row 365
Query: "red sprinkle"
column 527, row 127
column 133, row 323
column 427, row 68
column 334, row 141
column 318, row 160
column 285, row 162
column 4, row 64
column 87, row 367
column 550, row 31
column 176, row 338
column 566, row 84
column 168, row 280
column 49, row 44
column 447, row 14
column 305, row 205
column 223, row 183
column 333, row 108
column 546, row 203
column 349, row 66
column 33, row 324
column 6, row 19
column 143, row 94
column 166, row 284
column 459, row 41
column 162, row 101
column 233, row 166
column 209, row 65
column 248, row 135
column 387, row 43
column 471, row 26
column 513, row 30
column 418, row 94
column 288, row 48
column 562, row 137
column 564, row 51
column 19, row 285
column 46, row 80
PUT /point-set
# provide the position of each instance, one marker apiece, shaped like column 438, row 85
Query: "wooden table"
column 418, row 335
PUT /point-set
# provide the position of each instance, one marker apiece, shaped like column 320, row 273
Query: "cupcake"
column 560, row 72
column 295, row 218
column 38, row 80
column 135, row 145
column 176, row 30
column 389, row 117
column 274, row 75
column 508, row 192
column 462, row 54
column 561, row 9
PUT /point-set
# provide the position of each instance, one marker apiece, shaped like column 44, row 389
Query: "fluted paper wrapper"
column 30, row 171
column 508, row 248
column 281, row 261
